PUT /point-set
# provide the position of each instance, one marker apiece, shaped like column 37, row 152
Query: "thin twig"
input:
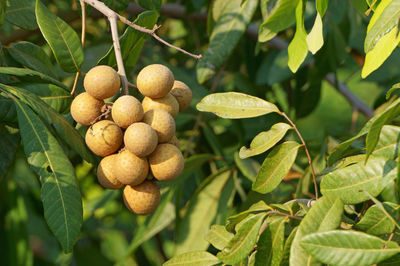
column 112, row 14
column 104, row 114
column 307, row 153
column 287, row 215
column 75, row 83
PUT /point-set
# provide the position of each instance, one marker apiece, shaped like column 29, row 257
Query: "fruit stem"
column 306, row 150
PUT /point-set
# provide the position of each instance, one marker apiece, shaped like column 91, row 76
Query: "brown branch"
column 307, row 153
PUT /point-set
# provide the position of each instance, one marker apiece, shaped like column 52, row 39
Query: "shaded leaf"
column 288, row 245
column 349, row 183
column 9, row 140
column 248, row 167
column 235, row 105
column 265, row 140
column 348, row 248
column 218, row 236
column 275, row 166
column 229, row 28
column 391, row 90
column 323, row 216
column 232, row 221
column 201, row 258
column 243, row 242
column 21, row 13
column 150, row 4
column 62, row 39
column 60, row 193
column 375, row 222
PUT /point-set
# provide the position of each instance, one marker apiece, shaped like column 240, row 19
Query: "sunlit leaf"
column 375, row 222
column 218, row 236
column 232, row 221
column 200, row 258
column 298, row 48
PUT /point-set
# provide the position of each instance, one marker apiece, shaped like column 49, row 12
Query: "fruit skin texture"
column 162, row 122
column 131, row 169
column 155, row 81
column 102, row 82
column 104, row 138
column 166, row 162
column 85, row 108
column 182, row 93
column 106, row 173
column 140, row 139
column 142, row 199
column 167, row 103
column 127, row 110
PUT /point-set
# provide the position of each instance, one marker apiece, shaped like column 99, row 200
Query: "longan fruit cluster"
column 137, row 141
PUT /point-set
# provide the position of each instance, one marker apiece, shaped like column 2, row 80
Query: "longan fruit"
column 130, row 169
column 102, row 82
column 85, row 108
column 174, row 141
column 167, row 103
column 104, row 138
column 166, row 162
column 106, row 173
column 182, row 93
column 155, row 81
column 162, row 122
column 126, row 110
column 140, row 139
column 142, row 199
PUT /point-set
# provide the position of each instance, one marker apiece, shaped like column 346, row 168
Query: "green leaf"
column 391, row 90
column 150, row 4
column 385, row 18
column 200, row 258
column 2, row 11
column 248, row 167
column 218, row 236
column 391, row 112
column 21, row 72
column 244, row 240
column 232, row 221
column 32, row 56
column 63, row 40
column 8, row 113
column 270, row 245
column 288, row 245
column 201, row 211
column 116, row 5
column 231, row 25
column 275, row 166
column 349, row 183
column 348, row 248
column 21, row 13
column 131, row 41
column 60, row 192
column 315, row 39
column 265, row 140
column 323, row 216
column 9, row 140
column 235, row 105
column 375, row 221
column 387, row 146
column 68, row 133
column 298, row 48
column 281, row 17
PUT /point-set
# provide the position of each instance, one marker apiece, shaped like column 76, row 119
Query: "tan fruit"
column 140, row 139
column 85, row 108
column 142, row 199
column 155, row 81
column 182, row 93
column 131, row 169
column 106, row 173
column 174, row 141
column 102, row 82
column 162, row 122
column 166, row 162
column 127, row 110
column 167, row 103
column 104, row 138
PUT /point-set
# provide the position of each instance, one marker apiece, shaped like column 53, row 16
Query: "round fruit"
column 104, row 138
column 142, row 199
column 155, row 81
column 140, row 139
column 167, row 103
column 131, row 169
column 106, row 173
column 182, row 93
column 162, row 122
column 102, row 82
column 174, row 141
column 166, row 162
column 127, row 110
column 85, row 108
